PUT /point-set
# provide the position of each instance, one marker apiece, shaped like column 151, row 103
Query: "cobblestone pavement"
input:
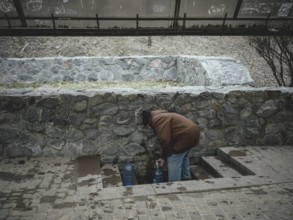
column 50, row 188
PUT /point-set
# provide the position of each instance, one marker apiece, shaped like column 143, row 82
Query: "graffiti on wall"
column 59, row 7
column 33, row 5
column 207, row 7
column 265, row 7
column 284, row 10
column 70, row 7
column 159, row 8
column 67, row 11
column 255, row 9
column 7, row 6
column 217, row 10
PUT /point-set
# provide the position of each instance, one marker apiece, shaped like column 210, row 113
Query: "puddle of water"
column 88, row 165
column 237, row 153
column 89, row 182
column 199, row 173
column 6, row 176
column 48, row 199
column 111, row 177
column 258, row 192
column 64, row 205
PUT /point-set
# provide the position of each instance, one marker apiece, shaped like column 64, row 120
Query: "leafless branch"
column 277, row 51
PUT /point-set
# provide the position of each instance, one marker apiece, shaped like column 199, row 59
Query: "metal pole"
column 184, row 20
column 8, row 21
column 236, row 12
column 224, row 21
column 267, row 20
column 176, row 12
column 53, row 20
column 136, row 21
column 98, row 22
column 20, row 13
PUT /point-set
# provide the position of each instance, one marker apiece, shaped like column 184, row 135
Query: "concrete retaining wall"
column 108, row 122
column 189, row 70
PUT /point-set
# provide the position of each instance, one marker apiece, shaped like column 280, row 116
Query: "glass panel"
column 7, row 7
column 60, row 8
column 129, row 8
column 71, row 8
column 206, row 9
column 104, row 8
column 39, row 23
column 261, row 8
column 76, row 24
column 145, row 8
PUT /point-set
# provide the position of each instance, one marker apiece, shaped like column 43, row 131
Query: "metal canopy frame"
column 174, row 29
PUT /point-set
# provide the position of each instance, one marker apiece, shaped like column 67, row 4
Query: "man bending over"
column 177, row 135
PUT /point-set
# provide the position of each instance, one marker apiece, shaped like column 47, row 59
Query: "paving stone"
column 209, row 217
column 247, row 197
column 40, row 215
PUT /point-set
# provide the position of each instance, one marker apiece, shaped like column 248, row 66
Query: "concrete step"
column 238, row 159
column 219, row 168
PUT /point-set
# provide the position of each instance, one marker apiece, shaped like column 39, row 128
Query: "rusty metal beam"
column 219, row 31
column 176, row 13
column 222, row 29
column 149, row 18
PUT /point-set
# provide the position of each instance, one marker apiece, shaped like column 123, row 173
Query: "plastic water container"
column 158, row 174
column 128, row 174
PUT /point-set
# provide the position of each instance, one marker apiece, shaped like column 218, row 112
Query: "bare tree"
column 278, row 53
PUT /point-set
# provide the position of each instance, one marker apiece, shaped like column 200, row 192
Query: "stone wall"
column 57, row 122
column 108, row 122
column 189, row 70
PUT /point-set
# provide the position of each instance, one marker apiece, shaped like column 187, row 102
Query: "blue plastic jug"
column 158, row 174
column 128, row 174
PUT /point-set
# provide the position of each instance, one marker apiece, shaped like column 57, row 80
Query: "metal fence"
column 146, row 17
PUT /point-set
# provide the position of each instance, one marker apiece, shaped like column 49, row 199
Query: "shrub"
column 278, row 53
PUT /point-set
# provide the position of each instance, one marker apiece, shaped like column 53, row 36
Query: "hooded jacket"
column 175, row 132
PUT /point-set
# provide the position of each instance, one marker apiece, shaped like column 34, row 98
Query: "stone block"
column 269, row 108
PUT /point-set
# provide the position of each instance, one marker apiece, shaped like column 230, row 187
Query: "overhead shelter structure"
column 145, row 17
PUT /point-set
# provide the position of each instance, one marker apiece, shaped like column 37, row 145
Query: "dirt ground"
column 229, row 46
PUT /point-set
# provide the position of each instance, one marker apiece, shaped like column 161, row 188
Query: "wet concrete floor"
column 62, row 188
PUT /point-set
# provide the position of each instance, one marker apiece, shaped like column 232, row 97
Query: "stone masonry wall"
column 189, row 70
column 57, row 122
column 108, row 122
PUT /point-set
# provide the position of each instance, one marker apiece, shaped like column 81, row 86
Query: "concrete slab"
column 221, row 71
column 123, row 192
column 49, row 188
column 219, row 168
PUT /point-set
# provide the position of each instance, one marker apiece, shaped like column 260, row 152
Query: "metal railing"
column 225, row 25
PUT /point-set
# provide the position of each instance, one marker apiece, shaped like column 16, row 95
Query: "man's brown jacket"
column 175, row 132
